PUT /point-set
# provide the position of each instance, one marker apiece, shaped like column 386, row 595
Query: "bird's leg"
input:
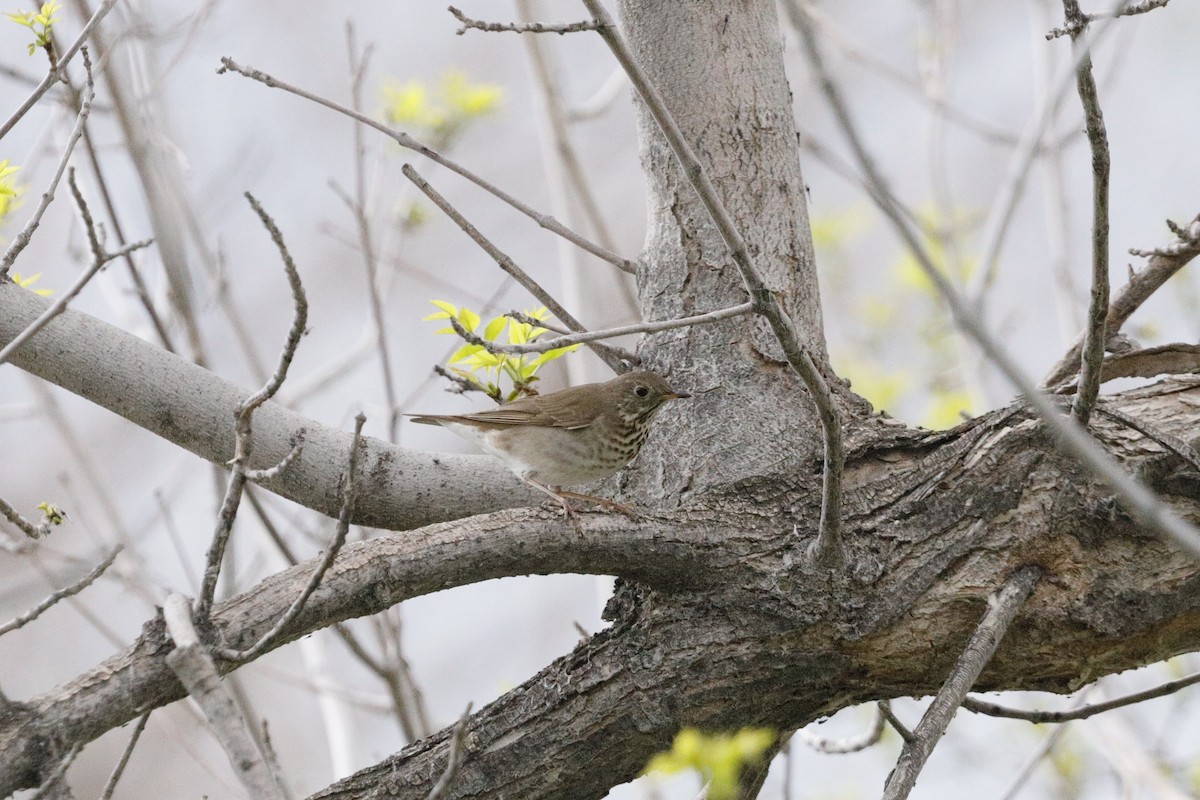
column 612, row 505
column 560, row 496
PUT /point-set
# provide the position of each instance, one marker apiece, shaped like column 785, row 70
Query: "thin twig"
column 1027, row 769
column 1078, row 23
column 243, row 433
column 194, row 667
column 62, row 301
column 850, row 744
column 827, row 549
column 885, row 708
column 454, row 760
column 1002, row 610
column 51, row 787
column 349, row 492
column 21, row 240
column 1042, row 717
column 1070, row 437
column 406, row 141
column 33, row 531
column 366, row 238
column 271, row 472
column 614, row 360
column 529, row 27
column 1163, row 263
column 56, row 73
column 119, row 769
column 1094, row 337
column 62, row 594
column 565, row 171
column 546, row 345
column 1020, row 166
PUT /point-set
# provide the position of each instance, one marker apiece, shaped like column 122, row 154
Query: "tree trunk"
column 719, row 622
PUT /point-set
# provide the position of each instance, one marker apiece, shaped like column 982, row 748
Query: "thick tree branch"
column 1071, row 437
column 191, row 407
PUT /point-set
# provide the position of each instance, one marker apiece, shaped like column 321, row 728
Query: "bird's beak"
column 678, row 395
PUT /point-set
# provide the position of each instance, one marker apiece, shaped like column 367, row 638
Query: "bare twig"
column 1020, row 166
column 196, row 671
column 21, row 240
column 349, row 490
column 613, row 359
column 1042, row 717
column 569, row 181
column 1070, row 437
column 33, row 531
column 62, row 594
column 1078, row 23
column 62, row 301
column 119, row 769
column 885, row 708
column 850, row 744
column 1094, row 336
column 52, row 788
column 243, row 441
column 366, row 238
column 1163, row 263
column 530, row 27
column 56, row 73
column 1027, row 769
column 546, row 345
column 271, row 472
column 1002, row 610
column 454, row 759
column 827, row 549
column 404, row 140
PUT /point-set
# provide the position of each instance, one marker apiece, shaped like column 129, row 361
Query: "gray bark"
column 717, row 622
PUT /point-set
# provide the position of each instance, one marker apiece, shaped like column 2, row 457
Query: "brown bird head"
column 638, row 395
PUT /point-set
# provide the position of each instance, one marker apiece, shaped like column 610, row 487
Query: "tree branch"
column 1163, row 263
column 1094, row 336
column 61, row 594
column 1002, row 610
column 1053, row 717
column 530, row 27
column 406, row 141
column 827, row 549
column 610, row 357
column 195, row 670
column 545, row 345
column 190, row 406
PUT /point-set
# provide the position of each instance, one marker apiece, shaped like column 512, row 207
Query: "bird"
column 575, row 436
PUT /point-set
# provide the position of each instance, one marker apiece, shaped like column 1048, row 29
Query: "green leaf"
column 468, row 318
column 494, row 327
column 465, row 351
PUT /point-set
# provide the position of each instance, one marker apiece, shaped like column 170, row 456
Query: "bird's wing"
column 558, row 410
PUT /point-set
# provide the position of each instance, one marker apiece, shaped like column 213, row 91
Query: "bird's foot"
column 603, row 502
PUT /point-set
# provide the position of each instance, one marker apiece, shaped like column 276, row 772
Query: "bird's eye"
column 641, row 391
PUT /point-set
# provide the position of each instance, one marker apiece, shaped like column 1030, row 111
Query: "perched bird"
column 575, row 436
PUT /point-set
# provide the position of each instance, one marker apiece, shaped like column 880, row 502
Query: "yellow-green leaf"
column 494, row 327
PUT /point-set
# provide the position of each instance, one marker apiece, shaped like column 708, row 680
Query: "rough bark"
column 717, row 622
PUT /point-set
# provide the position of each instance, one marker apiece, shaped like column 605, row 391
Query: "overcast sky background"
column 226, row 135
